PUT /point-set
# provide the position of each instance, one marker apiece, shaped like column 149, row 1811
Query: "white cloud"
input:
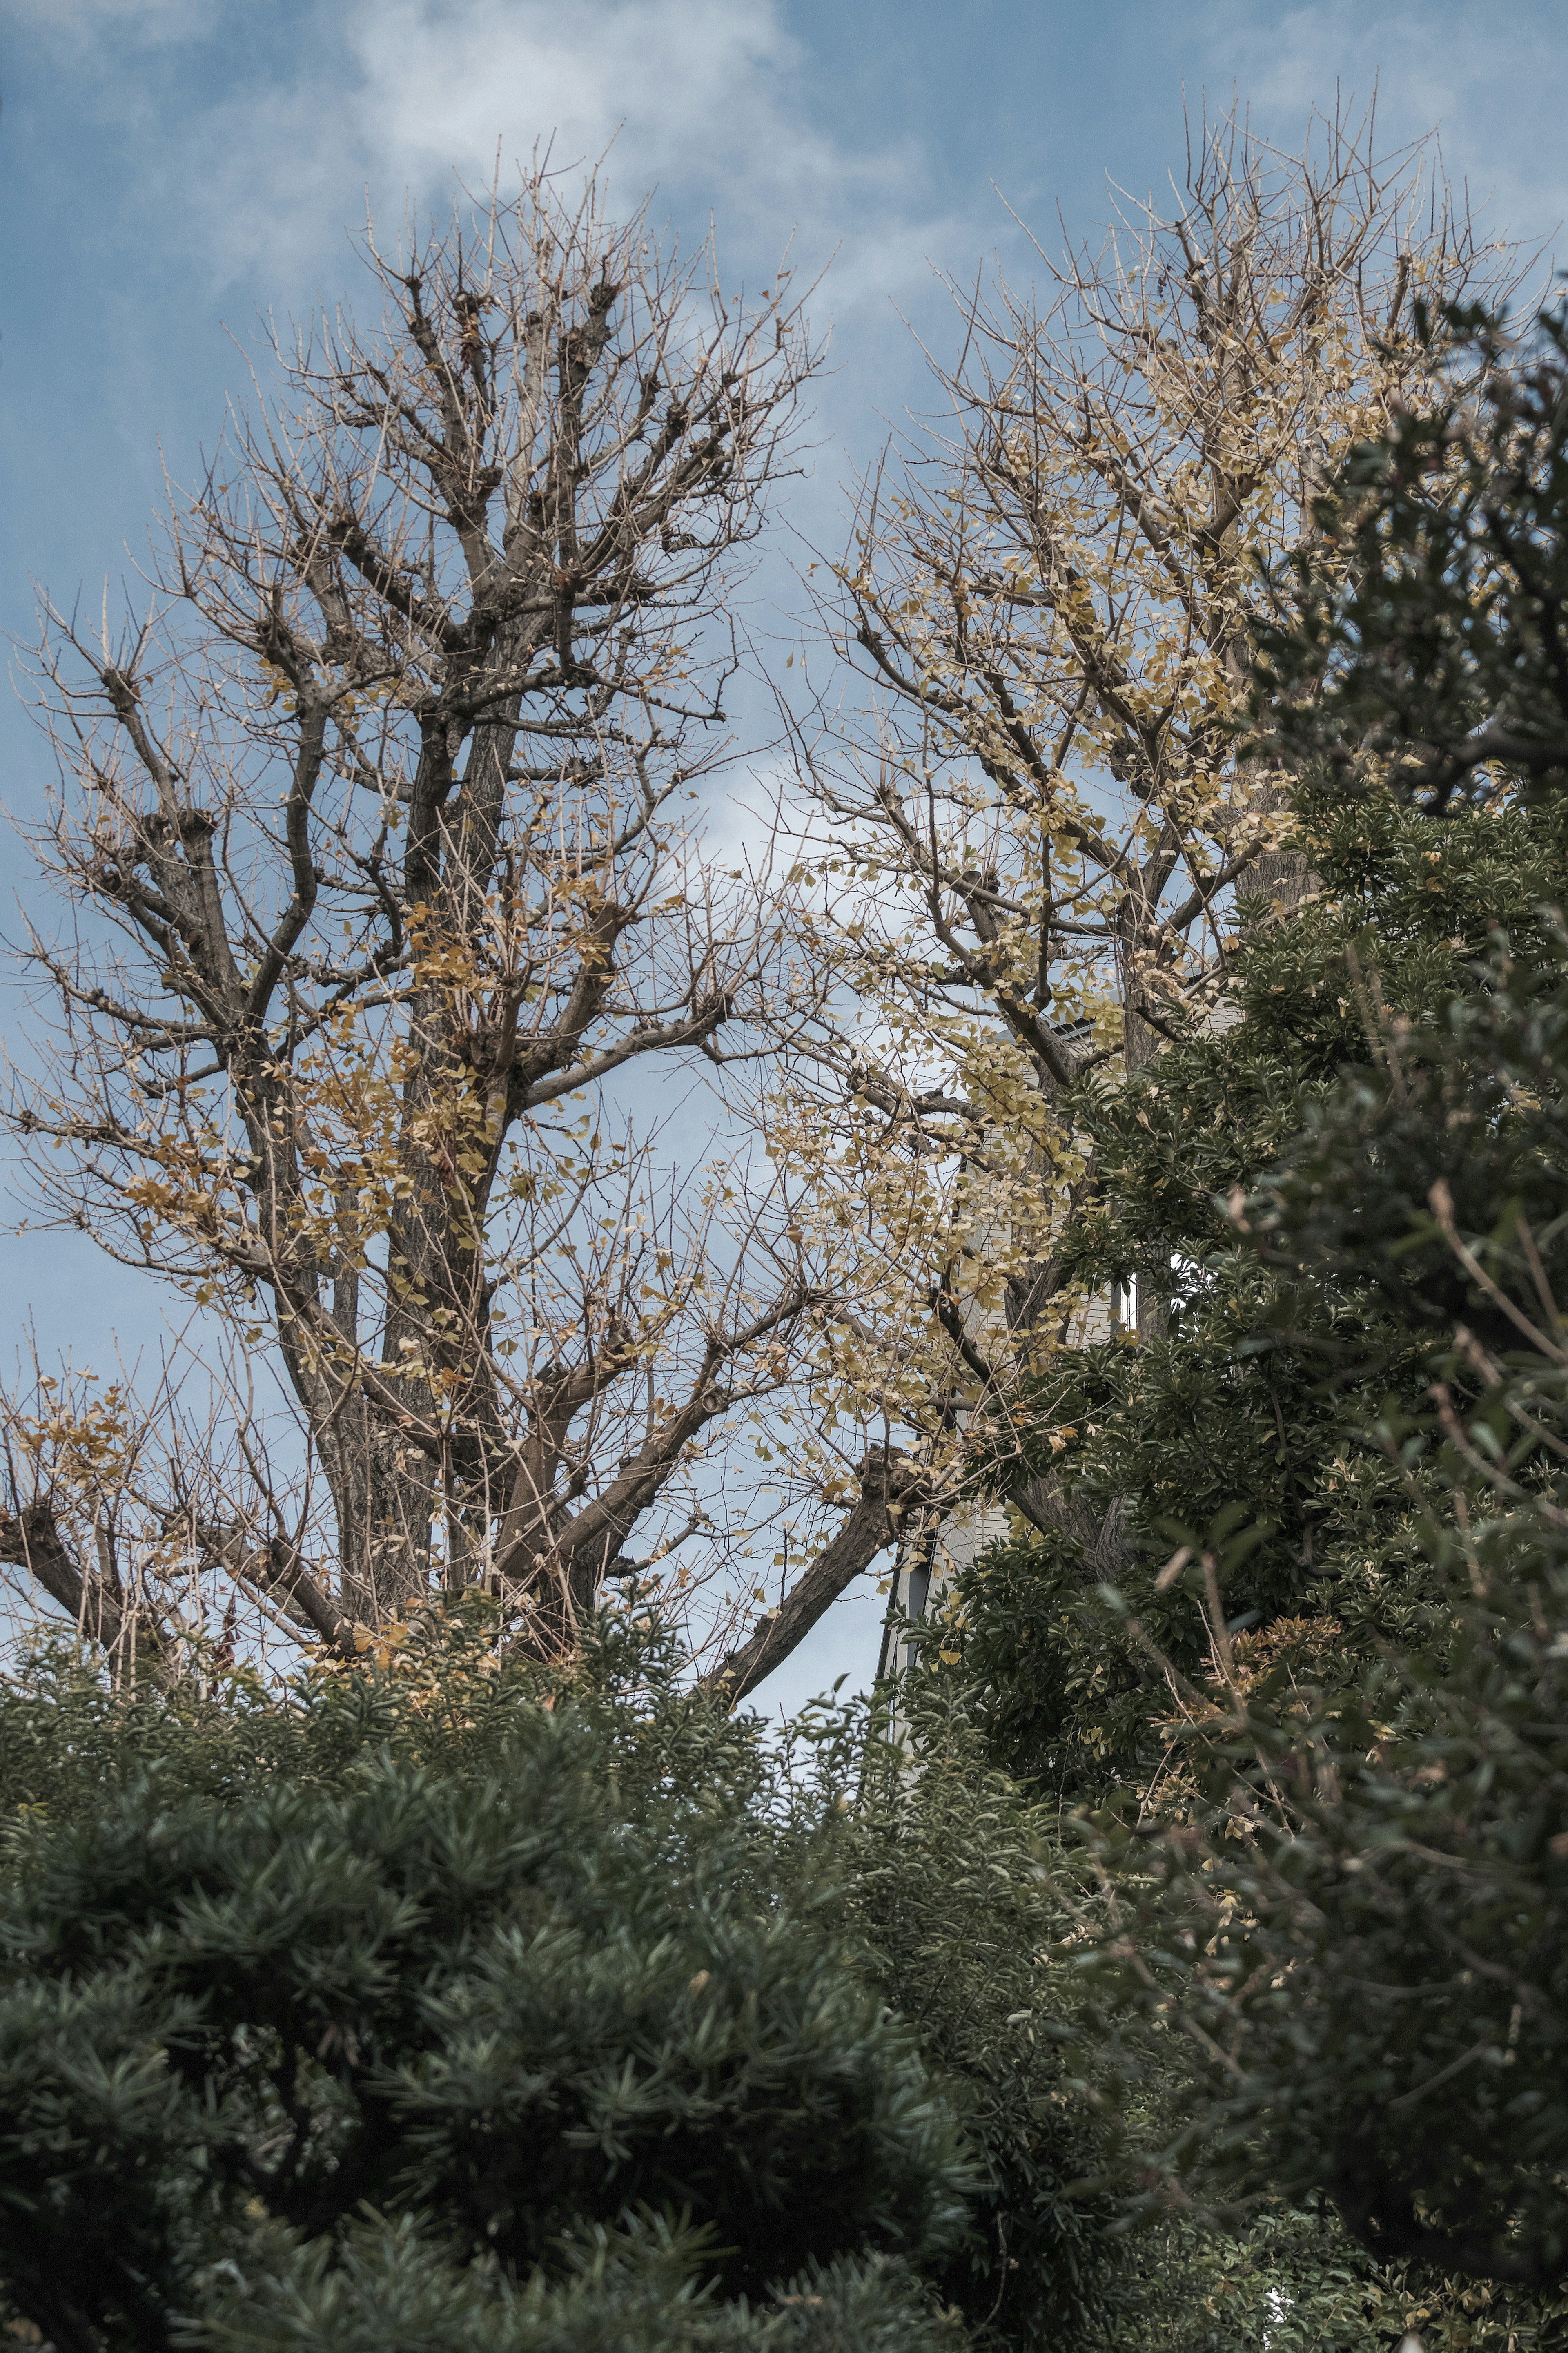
column 694, row 82
column 709, row 99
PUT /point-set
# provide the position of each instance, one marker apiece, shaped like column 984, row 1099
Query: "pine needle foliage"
column 634, row 2291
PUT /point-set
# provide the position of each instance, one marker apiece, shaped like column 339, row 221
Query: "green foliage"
column 1346, row 1898
column 957, row 1886
column 1429, row 626
column 1364, row 1922
column 1291, row 2280
column 428, row 2004
column 445, row 1687
column 1369, row 1923
column 634, row 2291
column 302, row 1965
column 1244, row 1423
column 1368, row 1926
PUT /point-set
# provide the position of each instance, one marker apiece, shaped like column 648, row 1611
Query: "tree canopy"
column 378, row 834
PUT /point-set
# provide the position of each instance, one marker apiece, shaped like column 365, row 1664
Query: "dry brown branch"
column 890, row 1488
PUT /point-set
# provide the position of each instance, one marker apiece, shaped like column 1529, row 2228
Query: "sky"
column 170, row 170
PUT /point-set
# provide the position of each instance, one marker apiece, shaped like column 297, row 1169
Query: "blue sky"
column 170, row 168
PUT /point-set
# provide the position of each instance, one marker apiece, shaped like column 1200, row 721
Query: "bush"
column 409, row 1998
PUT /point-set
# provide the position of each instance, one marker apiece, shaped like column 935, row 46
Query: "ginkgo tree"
column 376, row 833
column 1034, row 815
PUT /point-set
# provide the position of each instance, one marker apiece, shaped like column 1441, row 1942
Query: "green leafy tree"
column 1428, row 622
column 1344, row 1888
column 369, row 1999
column 1363, row 1924
column 957, row 1886
column 1241, row 1423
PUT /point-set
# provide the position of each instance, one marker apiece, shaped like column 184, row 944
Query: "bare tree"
column 1033, row 833
column 376, row 834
